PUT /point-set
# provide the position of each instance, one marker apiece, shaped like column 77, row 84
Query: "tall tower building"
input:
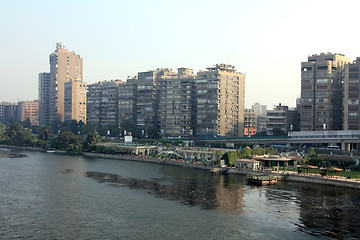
column 322, row 79
column 64, row 66
column 352, row 96
column 44, row 98
column 220, row 94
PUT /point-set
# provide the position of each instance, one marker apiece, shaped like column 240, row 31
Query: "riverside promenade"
column 287, row 175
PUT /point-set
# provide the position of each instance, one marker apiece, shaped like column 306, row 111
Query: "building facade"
column 44, row 98
column 8, row 112
column 278, row 118
column 75, row 100
column 111, row 102
column 322, row 79
column 127, row 100
column 261, row 119
column 249, row 122
column 174, row 104
column 102, row 107
column 29, row 110
column 352, row 96
column 177, row 104
column 148, row 97
column 220, row 93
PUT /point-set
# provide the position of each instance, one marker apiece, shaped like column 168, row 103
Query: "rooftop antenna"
column 58, row 45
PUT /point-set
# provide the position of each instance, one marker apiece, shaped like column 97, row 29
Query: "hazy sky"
column 266, row 40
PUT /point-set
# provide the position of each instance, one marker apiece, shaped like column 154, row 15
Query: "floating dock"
column 262, row 180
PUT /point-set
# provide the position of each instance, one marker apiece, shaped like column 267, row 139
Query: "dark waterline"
column 48, row 196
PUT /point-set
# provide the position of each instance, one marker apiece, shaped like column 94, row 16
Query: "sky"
column 266, row 40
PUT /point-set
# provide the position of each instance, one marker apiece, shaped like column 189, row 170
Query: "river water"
column 48, row 196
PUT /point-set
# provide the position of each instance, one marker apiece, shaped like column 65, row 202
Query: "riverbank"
column 180, row 163
column 5, row 154
column 288, row 176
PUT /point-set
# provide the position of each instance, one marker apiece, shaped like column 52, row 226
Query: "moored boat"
column 261, row 180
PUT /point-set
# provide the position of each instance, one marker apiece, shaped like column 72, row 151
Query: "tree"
column 75, row 128
column 3, row 137
column 55, row 126
column 91, row 141
column 85, row 128
column 18, row 135
column 44, row 133
column 26, row 123
column 130, row 126
column 69, row 142
column 278, row 132
column 261, row 134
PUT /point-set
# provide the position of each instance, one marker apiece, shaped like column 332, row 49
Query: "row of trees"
column 17, row 135
column 327, row 161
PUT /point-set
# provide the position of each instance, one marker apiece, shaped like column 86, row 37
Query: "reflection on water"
column 329, row 212
column 323, row 212
column 108, row 199
column 192, row 193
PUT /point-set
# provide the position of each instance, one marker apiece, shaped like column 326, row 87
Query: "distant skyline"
column 266, row 40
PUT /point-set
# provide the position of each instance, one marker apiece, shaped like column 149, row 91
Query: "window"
column 307, row 74
column 352, row 101
column 322, row 80
column 353, row 114
column 322, row 74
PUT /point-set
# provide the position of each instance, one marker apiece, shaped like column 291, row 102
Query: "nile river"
column 48, row 196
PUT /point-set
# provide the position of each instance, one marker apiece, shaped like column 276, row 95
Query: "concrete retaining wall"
column 148, row 159
column 325, row 181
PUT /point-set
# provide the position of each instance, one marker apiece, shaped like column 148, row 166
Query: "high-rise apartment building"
column 44, row 98
column 111, row 102
column 102, row 107
column 127, row 100
column 8, row 112
column 64, row 66
column 75, row 100
column 147, row 104
column 352, row 96
column 220, row 93
column 183, row 104
column 322, row 79
column 29, row 110
column 177, row 103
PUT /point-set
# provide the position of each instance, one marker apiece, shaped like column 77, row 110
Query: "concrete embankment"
column 317, row 179
column 148, row 159
column 340, row 181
